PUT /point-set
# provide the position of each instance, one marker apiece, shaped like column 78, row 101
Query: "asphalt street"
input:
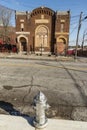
column 63, row 83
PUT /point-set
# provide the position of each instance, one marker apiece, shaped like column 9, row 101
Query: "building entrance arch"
column 22, row 43
column 61, row 45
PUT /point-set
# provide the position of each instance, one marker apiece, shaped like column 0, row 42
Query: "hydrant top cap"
column 40, row 97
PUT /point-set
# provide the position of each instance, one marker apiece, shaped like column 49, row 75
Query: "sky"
column 75, row 7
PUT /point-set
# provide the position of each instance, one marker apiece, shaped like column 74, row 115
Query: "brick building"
column 42, row 31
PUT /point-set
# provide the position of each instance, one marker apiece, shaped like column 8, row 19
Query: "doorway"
column 23, row 44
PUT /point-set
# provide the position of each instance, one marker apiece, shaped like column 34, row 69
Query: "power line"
column 1, row 7
column 73, row 23
column 74, row 29
column 75, row 16
column 22, row 4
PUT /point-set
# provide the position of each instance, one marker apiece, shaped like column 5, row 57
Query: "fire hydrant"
column 40, row 105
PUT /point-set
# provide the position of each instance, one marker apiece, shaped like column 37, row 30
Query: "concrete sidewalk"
column 8, row 122
column 35, row 57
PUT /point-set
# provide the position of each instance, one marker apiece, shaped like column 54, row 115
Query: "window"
column 22, row 26
column 22, row 29
column 62, row 27
column 41, row 37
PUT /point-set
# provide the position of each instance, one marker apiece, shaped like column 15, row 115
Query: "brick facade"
column 42, row 31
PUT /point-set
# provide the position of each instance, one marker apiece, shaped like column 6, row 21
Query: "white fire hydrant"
column 40, row 105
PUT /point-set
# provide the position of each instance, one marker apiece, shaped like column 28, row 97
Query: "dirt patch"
column 8, row 87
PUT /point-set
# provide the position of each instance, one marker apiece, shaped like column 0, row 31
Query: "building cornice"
column 20, row 13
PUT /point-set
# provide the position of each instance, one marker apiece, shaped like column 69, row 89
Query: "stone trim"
column 22, row 32
column 61, row 33
column 41, row 21
column 62, row 21
column 21, row 20
column 62, row 12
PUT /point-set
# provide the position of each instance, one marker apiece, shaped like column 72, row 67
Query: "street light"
column 79, row 27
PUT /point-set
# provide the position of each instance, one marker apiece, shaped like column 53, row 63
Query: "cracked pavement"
column 63, row 83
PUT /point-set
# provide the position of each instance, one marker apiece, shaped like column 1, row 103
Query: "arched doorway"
column 23, row 44
column 61, row 46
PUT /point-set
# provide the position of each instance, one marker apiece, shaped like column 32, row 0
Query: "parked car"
column 71, row 51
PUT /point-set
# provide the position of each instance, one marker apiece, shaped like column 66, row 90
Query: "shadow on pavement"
column 78, row 86
column 8, row 107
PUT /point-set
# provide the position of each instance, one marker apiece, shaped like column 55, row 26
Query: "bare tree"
column 5, row 17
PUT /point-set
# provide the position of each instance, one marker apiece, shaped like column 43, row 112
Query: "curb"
column 37, row 58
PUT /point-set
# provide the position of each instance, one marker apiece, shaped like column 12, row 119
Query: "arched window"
column 41, row 37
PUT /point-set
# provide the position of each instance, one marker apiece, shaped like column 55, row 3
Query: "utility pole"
column 79, row 26
column 84, row 34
